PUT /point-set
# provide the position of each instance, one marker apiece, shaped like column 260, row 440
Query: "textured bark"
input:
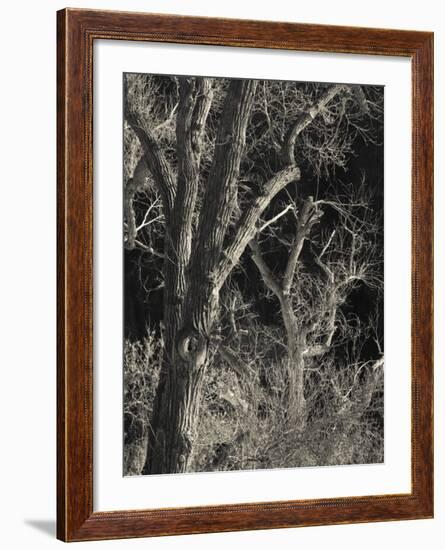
column 194, row 104
column 218, row 204
column 247, row 225
column 295, row 338
column 154, row 158
column 296, row 343
column 173, row 423
column 197, row 263
column 330, row 311
column 189, row 278
column 129, row 215
column 175, row 416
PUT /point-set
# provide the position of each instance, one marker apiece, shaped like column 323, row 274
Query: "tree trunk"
column 296, row 406
column 191, row 291
column 175, row 418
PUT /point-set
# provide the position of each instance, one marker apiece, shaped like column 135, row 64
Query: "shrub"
column 142, row 362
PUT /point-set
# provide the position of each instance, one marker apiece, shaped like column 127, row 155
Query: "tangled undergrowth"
column 243, row 420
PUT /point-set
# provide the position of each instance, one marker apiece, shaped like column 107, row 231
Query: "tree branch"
column 153, row 156
column 309, row 216
column 269, row 278
column 195, row 96
column 275, row 218
column 236, row 364
column 246, row 226
column 305, row 119
column 129, row 214
column 219, row 198
column 204, row 98
column 134, row 185
column 330, row 308
column 194, row 105
column 187, row 179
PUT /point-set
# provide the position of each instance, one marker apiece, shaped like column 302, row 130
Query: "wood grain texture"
column 77, row 30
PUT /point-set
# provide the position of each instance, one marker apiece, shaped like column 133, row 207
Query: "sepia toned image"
column 253, row 274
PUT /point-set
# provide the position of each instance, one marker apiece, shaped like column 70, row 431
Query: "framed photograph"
column 245, row 230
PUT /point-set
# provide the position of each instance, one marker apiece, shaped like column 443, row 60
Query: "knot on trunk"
column 192, row 347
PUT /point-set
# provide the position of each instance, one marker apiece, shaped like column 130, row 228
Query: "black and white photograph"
column 253, row 274
column 220, row 323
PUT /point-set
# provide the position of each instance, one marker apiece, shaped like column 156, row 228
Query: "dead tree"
column 207, row 229
column 348, row 256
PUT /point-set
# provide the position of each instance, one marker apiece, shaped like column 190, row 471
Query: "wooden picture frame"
column 77, row 31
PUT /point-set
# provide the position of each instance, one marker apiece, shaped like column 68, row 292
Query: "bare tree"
column 349, row 255
column 202, row 151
